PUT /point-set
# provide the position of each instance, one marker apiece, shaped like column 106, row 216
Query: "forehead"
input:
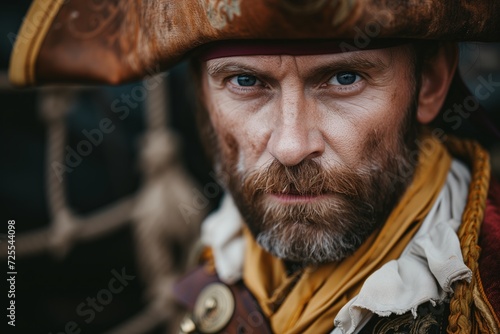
column 355, row 60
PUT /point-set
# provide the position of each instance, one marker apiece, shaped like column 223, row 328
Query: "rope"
column 54, row 105
column 90, row 227
column 159, row 228
column 463, row 319
column 65, row 229
column 161, row 234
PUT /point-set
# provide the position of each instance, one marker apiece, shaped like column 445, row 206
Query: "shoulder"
column 486, row 291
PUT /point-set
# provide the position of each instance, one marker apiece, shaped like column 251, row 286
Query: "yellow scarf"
column 309, row 303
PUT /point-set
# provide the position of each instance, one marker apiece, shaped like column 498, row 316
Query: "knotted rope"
column 163, row 236
column 54, row 105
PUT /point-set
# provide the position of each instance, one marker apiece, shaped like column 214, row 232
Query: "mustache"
column 308, row 178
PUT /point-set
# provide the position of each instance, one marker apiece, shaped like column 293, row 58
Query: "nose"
column 296, row 135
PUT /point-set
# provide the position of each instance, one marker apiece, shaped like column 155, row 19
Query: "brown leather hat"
column 113, row 41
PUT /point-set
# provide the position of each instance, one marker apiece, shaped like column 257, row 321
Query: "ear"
column 437, row 74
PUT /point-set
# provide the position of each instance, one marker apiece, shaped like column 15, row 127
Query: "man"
column 343, row 191
column 348, row 208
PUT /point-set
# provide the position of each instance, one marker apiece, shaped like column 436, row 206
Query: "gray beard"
column 328, row 230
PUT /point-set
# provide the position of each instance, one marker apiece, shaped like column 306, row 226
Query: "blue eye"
column 344, row 78
column 244, row 80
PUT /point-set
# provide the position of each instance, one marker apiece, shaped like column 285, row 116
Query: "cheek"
column 241, row 134
column 349, row 125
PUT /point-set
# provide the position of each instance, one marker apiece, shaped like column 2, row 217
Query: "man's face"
column 313, row 146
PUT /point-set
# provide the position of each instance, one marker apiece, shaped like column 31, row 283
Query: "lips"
column 292, row 190
column 291, row 194
column 296, row 199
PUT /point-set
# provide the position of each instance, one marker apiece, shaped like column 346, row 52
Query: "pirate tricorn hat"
column 114, row 41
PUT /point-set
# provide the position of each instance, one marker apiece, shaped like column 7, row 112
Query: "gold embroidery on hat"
column 221, row 12
column 97, row 18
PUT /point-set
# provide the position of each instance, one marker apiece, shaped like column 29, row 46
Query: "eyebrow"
column 228, row 67
column 353, row 62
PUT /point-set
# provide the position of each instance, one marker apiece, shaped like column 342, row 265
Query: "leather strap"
column 246, row 316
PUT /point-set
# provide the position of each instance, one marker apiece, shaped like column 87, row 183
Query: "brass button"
column 214, row 308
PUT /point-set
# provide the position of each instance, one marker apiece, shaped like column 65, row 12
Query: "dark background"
column 49, row 289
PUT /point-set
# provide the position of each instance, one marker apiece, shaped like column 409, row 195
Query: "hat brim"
column 117, row 41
